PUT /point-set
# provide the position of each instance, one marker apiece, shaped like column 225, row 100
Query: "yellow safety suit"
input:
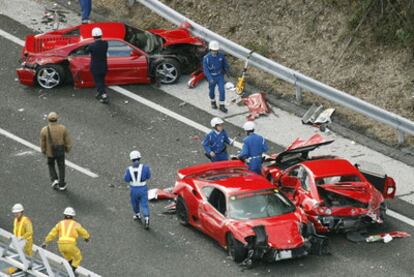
column 68, row 231
column 23, row 228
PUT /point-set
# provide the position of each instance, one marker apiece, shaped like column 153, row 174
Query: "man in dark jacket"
column 55, row 134
column 98, row 50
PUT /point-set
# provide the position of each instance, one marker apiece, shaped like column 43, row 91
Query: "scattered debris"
column 196, row 138
column 170, row 208
column 158, row 194
column 196, row 77
column 257, row 105
column 318, row 116
column 387, row 237
column 182, row 104
column 21, row 110
column 126, row 102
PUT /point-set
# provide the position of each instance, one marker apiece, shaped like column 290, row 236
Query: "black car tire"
column 167, row 71
column 182, row 211
column 50, row 76
column 235, row 249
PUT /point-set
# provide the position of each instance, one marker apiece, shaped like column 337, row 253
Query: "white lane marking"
column 400, row 217
column 11, row 37
column 182, row 119
column 37, row 148
column 166, row 111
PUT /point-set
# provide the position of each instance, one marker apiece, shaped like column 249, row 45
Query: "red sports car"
column 134, row 56
column 244, row 213
column 335, row 195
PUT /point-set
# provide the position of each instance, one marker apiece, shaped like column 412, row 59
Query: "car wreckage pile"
column 287, row 212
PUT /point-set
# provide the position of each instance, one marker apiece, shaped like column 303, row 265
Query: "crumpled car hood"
column 284, row 235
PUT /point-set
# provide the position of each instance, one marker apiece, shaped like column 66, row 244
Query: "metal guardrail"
column 300, row 81
column 43, row 263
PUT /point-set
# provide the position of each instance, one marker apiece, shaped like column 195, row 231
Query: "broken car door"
column 212, row 213
column 79, row 65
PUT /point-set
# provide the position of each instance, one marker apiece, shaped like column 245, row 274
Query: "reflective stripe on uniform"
column 65, row 234
column 18, row 227
column 136, row 181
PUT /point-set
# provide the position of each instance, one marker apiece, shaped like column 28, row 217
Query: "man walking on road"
column 23, row 228
column 99, row 65
column 68, row 231
column 253, row 148
column 86, row 8
column 215, row 142
column 215, row 66
column 137, row 176
column 54, row 143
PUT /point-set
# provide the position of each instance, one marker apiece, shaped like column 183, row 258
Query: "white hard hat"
column 134, row 155
column 249, row 126
column 229, row 86
column 215, row 121
column 17, row 208
column 96, row 32
column 69, row 211
column 213, row 45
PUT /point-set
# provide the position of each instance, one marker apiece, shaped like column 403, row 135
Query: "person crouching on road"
column 68, row 230
column 54, row 143
column 137, row 176
column 215, row 142
column 23, row 228
column 99, row 65
column 253, row 148
column 215, row 66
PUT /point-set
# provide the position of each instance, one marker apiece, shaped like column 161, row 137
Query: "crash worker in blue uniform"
column 99, row 65
column 86, row 7
column 137, row 176
column 214, row 143
column 215, row 66
column 254, row 146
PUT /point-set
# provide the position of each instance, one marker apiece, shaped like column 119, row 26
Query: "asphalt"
column 103, row 136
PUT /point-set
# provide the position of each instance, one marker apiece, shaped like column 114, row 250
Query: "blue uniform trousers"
column 255, row 165
column 139, row 200
column 86, row 7
column 219, row 81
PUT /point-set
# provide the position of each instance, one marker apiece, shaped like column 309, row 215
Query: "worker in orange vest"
column 68, row 230
column 23, row 228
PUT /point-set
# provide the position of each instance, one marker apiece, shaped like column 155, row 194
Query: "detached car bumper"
column 344, row 224
column 26, row 76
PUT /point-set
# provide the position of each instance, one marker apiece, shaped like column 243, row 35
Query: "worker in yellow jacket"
column 68, row 230
column 23, row 228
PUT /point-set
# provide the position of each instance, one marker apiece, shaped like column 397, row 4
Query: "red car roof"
column 331, row 167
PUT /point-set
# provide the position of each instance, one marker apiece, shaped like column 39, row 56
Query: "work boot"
column 104, row 99
column 63, row 186
column 213, row 105
column 223, row 108
column 55, row 183
column 137, row 217
column 98, row 96
column 146, row 223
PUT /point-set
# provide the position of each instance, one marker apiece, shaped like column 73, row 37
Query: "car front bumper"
column 26, row 76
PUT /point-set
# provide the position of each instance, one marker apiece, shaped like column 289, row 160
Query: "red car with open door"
column 335, row 194
column 244, row 213
column 134, row 56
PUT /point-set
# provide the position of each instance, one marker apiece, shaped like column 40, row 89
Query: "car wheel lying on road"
column 236, row 249
column 50, row 76
column 168, row 71
column 182, row 211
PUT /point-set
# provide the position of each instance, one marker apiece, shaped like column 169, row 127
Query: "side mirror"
column 290, row 182
column 135, row 53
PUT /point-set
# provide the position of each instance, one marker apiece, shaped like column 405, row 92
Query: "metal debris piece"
column 257, row 105
column 318, row 116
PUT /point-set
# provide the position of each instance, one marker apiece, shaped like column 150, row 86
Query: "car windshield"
column 144, row 40
column 337, row 179
column 259, row 204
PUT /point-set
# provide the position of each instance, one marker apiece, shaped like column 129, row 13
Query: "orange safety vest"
column 67, row 232
column 18, row 226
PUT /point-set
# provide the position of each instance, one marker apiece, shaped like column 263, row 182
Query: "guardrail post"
column 401, row 137
column 298, row 94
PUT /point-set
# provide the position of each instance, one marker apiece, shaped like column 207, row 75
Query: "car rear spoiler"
column 214, row 166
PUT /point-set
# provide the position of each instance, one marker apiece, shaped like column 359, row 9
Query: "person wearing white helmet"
column 137, row 176
column 23, row 228
column 215, row 141
column 254, row 146
column 215, row 66
column 68, row 231
column 99, row 64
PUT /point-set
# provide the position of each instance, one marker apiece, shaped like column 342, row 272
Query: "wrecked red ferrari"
column 335, row 195
column 134, row 56
column 244, row 213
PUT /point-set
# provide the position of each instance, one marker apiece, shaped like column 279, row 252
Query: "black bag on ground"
column 58, row 150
